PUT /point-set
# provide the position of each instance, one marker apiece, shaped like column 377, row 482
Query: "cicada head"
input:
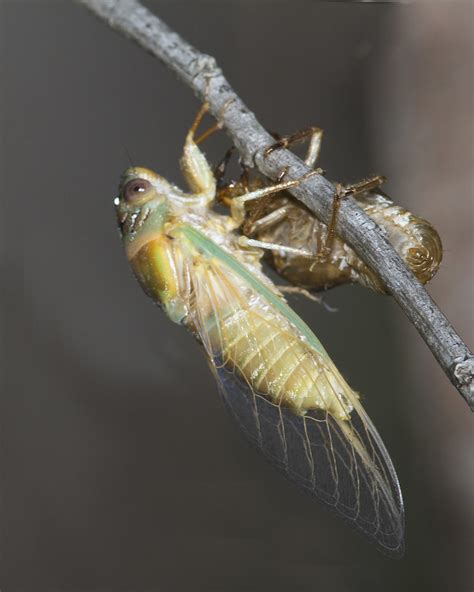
column 142, row 202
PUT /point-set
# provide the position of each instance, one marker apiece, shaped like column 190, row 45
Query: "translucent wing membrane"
column 315, row 453
column 291, row 402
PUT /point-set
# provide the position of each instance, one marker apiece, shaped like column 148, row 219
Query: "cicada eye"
column 136, row 189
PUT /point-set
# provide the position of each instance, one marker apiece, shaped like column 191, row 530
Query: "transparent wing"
column 341, row 461
column 314, row 451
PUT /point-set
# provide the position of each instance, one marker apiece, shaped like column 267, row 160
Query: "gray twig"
column 201, row 73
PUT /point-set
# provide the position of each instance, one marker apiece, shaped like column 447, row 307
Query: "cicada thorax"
column 282, row 220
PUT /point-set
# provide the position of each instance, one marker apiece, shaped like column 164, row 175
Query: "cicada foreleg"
column 196, row 170
column 341, row 192
column 194, row 166
column 213, row 128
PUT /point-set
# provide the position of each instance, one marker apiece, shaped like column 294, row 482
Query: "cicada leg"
column 314, row 133
column 221, row 167
column 301, row 291
column 227, row 191
column 245, row 241
column 307, row 294
column 341, row 192
column 212, row 129
column 195, row 168
column 237, row 206
column 266, row 221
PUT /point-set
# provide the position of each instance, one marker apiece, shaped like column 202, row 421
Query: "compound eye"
column 136, row 189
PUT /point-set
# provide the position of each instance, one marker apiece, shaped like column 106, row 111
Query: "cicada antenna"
column 129, row 157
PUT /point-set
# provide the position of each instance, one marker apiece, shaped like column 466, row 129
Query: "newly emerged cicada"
column 306, row 251
column 275, row 377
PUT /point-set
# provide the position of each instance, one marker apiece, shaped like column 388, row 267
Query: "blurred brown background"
column 120, row 470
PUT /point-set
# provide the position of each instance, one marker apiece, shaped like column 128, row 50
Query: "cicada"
column 307, row 252
column 273, row 374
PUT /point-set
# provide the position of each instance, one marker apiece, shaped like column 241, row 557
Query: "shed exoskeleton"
column 308, row 253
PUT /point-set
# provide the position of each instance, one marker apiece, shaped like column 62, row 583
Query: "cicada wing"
column 343, row 462
column 314, row 451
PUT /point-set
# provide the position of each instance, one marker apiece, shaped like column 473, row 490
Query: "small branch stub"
column 463, row 373
column 201, row 73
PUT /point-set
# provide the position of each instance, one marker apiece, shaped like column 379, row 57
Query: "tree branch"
column 201, row 73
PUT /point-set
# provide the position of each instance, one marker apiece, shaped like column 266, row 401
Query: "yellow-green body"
column 186, row 256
